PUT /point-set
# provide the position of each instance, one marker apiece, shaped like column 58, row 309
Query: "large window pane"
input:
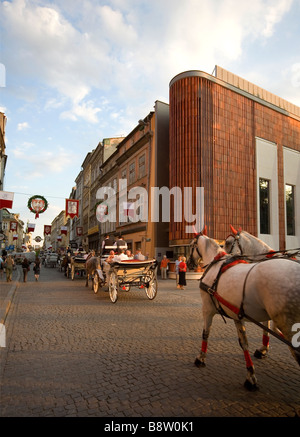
column 290, row 209
column 264, row 205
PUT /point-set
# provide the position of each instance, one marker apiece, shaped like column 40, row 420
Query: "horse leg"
column 251, row 381
column 200, row 359
column 87, row 280
column 263, row 351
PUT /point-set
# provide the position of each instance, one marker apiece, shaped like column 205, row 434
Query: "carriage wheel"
column 113, row 287
column 72, row 273
column 96, row 283
column 151, row 287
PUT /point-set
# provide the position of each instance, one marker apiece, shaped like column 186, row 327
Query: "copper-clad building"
column 242, row 144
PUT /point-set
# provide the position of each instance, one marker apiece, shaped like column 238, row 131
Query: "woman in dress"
column 182, row 270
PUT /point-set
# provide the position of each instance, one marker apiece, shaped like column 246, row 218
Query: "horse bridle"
column 191, row 260
column 236, row 240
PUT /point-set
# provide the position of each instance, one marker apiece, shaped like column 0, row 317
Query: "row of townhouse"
column 236, row 145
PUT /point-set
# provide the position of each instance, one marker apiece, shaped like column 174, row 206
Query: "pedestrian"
column 182, row 271
column 37, row 268
column 164, row 266
column 9, row 264
column 177, row 262
column 26, row 268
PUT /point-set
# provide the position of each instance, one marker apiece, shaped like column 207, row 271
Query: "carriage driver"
column 120, row 245
column 107, row 245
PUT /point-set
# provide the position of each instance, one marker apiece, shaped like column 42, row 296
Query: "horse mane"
column 252, row 239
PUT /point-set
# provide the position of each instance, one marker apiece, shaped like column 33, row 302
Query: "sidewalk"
column 7, row 291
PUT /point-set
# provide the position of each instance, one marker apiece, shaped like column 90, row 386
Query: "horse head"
column 232, row 242
column 196, row 247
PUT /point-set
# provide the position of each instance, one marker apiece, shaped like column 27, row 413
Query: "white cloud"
column 125, row 49
column 22, row 126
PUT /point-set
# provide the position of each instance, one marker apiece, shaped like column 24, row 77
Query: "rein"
column 212, row 291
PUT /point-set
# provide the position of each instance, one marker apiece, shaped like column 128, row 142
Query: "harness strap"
column 212, row 291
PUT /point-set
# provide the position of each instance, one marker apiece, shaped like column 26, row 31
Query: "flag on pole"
column 79, row 230
column 64, row 230
column 15, row 236
column 72, row 208
column 6, row 199
column 30, row 227
column 47, row 229
column 128, row 209
column 13, row 226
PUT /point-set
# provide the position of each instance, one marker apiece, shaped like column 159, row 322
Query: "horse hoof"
column 199, row 363
column 250, row 387
column 260, row 354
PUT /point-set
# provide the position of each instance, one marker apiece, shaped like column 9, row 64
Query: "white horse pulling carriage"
column 257, row 291
column 241, row 243
column 51, row 260
column 133, row 273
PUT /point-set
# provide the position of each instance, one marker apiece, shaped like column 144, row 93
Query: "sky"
column 73, row 72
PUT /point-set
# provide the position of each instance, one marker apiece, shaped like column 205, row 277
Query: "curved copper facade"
column 191, row 139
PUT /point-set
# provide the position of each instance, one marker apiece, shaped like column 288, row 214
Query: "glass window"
column 142, row 166
column 131, row 172
column 264, row 205
column 290, row 209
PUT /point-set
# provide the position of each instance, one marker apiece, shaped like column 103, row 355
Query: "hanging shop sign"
column 37, row 205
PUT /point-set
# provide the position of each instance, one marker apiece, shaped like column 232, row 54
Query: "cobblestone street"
column 70, row 352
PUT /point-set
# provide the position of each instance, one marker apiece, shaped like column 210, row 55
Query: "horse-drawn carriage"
column 51, row 260
column 77, row 265
column 133, row 273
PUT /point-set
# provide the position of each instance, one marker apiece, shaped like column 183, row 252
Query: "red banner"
column 30, row 227
column 6, row 199
column 47, row 229
column 64, row 230
column 13, row 226
column 15, row 236
column 79, row 231
column 72, row 208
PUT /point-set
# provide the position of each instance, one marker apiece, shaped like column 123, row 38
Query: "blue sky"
column 78, row 71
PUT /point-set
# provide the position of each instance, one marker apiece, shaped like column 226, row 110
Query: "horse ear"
column 240, row 229
column 204, row 232
column 234, row 231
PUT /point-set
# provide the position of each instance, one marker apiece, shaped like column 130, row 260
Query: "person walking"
column 26, row 268
column 9, row 264
column 164, row 266
column 37, row 268
column 177, row 262
column 182, row 271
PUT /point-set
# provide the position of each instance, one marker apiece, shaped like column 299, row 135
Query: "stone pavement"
column 72, row 353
